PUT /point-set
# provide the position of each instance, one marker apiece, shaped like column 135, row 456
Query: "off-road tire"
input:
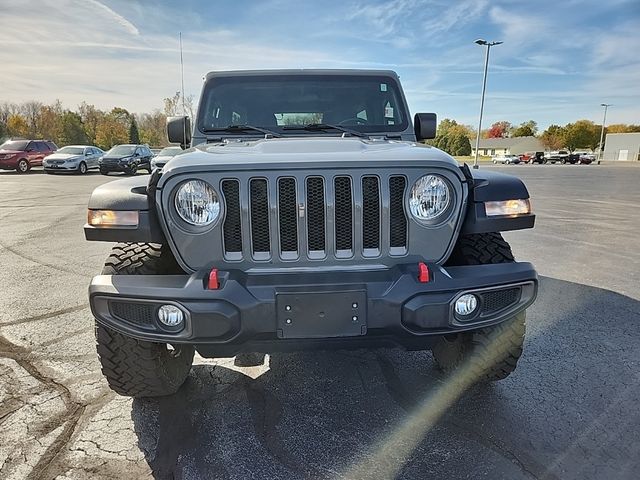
column 137, row 368
column 490, row 353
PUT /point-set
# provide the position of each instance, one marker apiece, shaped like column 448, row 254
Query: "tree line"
column 456, row 139
column 88, row 124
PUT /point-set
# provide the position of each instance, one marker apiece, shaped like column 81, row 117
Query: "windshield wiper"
column 325, row 126
column 242, row 128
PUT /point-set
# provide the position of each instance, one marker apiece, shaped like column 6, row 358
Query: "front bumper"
column 61, row 167
column 9, row 164
column 291, row 311
column 116, row 167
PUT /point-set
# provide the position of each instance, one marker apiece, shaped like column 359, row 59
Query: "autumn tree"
column 153, row 128
column 90, row 117
column 6, row 110
column 553, row 137
column 111, row 131
column 17, row 126
column 499, row 130
column 452, row 137
column 525, row 129
column 48, row 123
column 71, row 129
column 581, row 134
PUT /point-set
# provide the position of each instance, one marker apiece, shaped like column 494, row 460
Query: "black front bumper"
column 292, row 311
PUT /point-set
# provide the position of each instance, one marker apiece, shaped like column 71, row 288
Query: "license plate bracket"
column 322, row 314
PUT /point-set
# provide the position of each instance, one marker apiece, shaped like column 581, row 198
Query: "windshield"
column 122, row 150
column 71, row 150
column 14, row 145
column 363, row 102
column 169, row 151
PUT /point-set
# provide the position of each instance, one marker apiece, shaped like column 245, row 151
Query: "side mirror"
column 179, row 131
column 424, row 126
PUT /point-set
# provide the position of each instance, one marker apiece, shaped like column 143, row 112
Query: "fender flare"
column 488, row 186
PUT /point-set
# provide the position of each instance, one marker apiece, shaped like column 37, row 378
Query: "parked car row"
column 22, row 155
column 560, row 156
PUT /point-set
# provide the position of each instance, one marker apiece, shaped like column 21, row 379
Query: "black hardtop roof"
column 302, row 71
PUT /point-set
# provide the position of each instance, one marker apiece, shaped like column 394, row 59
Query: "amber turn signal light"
column 112, row 218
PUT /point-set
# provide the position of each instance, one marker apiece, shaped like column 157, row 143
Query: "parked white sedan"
column 506, row 159
column 73, row 158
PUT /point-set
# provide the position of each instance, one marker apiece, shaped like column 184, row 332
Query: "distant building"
column 507, row 146
column 622, row 146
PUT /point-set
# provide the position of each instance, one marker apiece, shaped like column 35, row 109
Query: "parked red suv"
column 21, row 155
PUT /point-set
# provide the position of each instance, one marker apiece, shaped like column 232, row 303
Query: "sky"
column 559, row 61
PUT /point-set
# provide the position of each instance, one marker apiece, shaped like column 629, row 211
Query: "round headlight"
column 197, row 203
column 430, row 197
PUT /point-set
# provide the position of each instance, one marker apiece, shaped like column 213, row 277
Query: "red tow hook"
column 213, row 283
column 423, row 273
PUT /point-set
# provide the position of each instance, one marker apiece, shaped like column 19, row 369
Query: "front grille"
column 288, row 215
column 370, row 213
column 232, row 224
column 398, row 227
column 259, row 202
column 316, row 204
column 344, row 214
column 497, row 300
column 140, row 314
column 314, row 217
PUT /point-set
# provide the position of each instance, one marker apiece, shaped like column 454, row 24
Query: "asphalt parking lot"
column 570, row 411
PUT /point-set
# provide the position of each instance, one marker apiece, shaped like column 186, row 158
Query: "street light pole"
column 484, row 87
column 604, row 119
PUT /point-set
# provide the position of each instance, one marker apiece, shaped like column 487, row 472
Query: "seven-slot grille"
column 314, row 217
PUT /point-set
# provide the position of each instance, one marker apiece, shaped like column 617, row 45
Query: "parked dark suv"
column 126, row 158
column 21, row 155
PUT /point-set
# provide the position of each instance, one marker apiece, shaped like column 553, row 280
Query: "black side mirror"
column 424, row 126
column 179, row 130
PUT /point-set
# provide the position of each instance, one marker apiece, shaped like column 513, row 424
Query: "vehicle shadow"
column 569, row 411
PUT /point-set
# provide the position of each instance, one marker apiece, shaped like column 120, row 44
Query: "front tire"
column 490, row 353
column 138, row 368
column 104, row 171
column 82, row 168
column 23, row 166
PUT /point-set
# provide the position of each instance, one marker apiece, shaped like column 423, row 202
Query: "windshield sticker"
column 388, row 112
column 383, row 87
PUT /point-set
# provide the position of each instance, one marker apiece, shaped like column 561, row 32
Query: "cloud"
column 119, row 19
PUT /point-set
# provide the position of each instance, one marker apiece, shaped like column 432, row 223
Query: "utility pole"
column 484, row 87
column 604, row 119
column 184, row 110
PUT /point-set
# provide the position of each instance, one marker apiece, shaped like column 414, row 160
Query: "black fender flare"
column 131, row 194
column 488, row 186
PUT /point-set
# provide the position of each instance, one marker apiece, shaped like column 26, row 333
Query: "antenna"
column 184, row 110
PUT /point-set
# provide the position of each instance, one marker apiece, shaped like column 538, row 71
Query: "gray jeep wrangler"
column 306, row 213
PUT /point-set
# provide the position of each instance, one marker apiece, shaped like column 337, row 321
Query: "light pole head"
column 480, row 41
column 605, row 104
